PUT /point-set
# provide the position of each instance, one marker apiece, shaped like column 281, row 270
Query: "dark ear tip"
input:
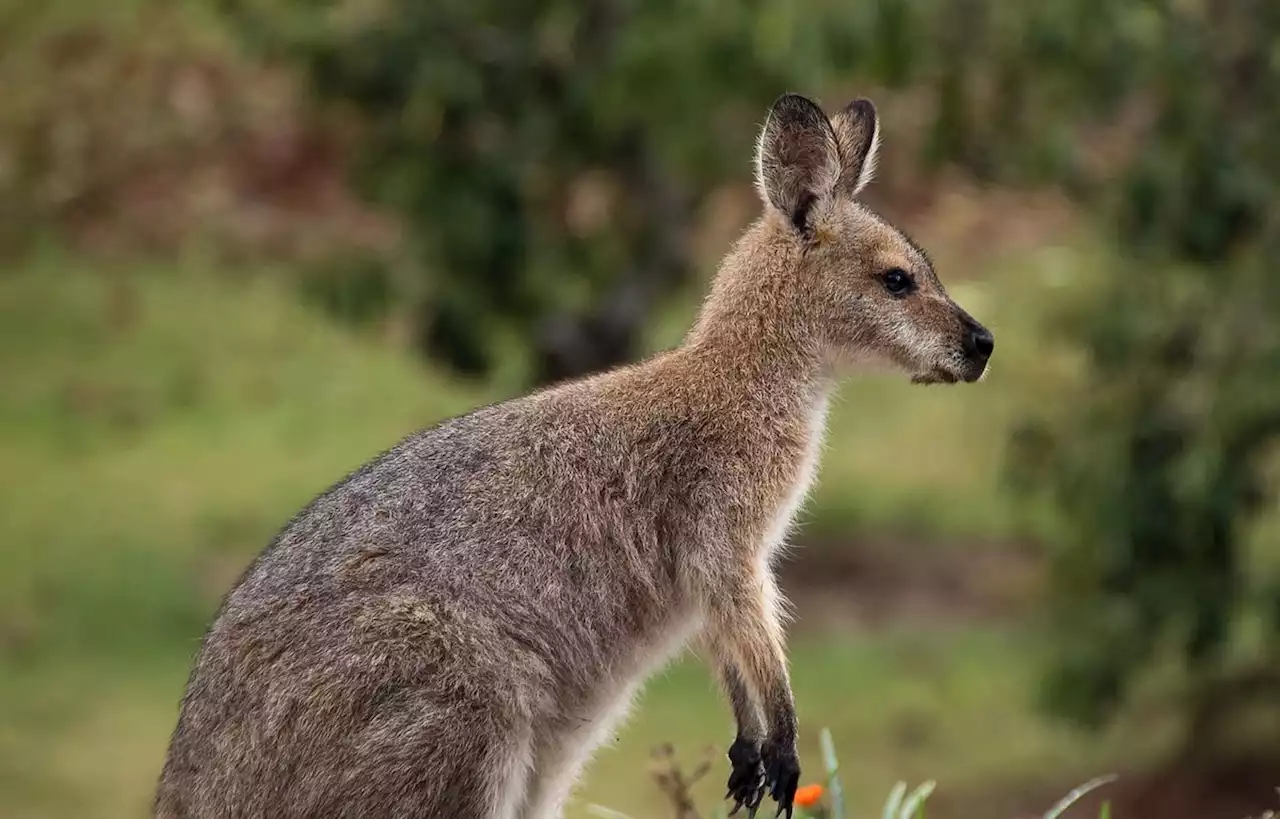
column 861, row 108
column 792, row 99
column 796, row 107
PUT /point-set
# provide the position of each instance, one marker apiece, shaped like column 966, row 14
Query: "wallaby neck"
column 752, row 336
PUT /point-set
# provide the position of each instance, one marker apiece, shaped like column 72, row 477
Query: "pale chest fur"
column 801, row 482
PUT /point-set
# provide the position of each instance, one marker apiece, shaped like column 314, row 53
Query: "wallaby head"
column 862, row 291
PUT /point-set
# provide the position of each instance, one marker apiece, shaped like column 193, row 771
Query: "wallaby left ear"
column 797, row 159
column 857, row 130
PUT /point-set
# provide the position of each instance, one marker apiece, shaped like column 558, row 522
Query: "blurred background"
column 244, row 246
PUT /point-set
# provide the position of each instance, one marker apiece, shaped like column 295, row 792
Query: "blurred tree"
column 1158, row 457
column 549, row 158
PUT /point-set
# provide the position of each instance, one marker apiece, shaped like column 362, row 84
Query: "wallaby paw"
column 782, row 774
column 746, row 780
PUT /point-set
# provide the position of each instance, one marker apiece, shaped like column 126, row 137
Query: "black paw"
column 781, row 774
column 746, row 780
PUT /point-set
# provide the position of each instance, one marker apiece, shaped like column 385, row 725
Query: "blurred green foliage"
column 1159, row 456
column 548, row 158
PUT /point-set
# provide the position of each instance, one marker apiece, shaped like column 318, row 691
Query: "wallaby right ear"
column 797, row 158
column 857, row 131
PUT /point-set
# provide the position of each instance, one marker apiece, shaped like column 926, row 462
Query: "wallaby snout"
column 979, row 344
column 950, row 349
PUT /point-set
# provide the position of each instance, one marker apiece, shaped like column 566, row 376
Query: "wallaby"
column 454, row 628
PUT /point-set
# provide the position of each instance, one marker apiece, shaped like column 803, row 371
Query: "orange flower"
column 809, row 795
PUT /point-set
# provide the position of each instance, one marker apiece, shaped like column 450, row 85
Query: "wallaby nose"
column 981, row 342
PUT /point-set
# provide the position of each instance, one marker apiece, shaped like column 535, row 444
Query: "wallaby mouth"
column 936, row 376
column 969, row 371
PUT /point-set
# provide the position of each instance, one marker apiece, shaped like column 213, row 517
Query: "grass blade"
column 1075, row 796
column 894, row 803
column 606, row 813
column 914, row 804
column 833, row 778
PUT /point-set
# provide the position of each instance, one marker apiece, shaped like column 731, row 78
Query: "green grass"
column 823, row 798
column 156, row 429
column 953, row 706
column 158, row 425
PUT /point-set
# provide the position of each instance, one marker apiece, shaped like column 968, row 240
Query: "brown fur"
column 453, row 629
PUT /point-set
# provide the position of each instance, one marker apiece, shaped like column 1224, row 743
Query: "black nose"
column 981, row 342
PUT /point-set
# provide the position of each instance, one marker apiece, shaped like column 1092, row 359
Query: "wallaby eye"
column 898, row 282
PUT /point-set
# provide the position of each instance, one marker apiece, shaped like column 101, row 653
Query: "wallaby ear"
column 797, row 158
column 857, row 130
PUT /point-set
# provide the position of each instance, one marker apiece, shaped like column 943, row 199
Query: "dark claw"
column 782, row 775
column 747, row 778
